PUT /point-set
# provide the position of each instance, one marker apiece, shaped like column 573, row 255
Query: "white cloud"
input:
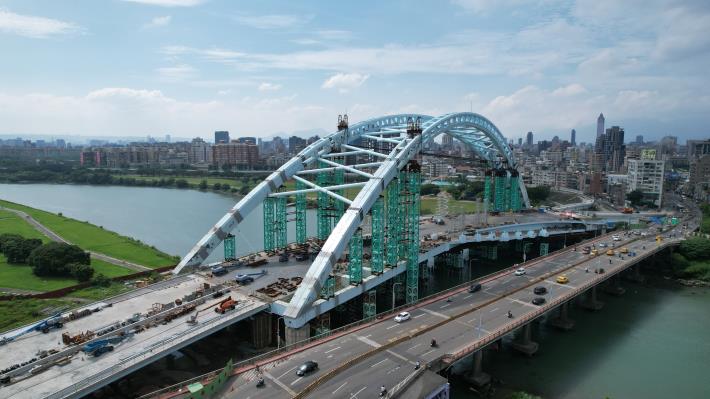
column 569, row 90
column 273, row 21
column 34, row 27
column 158, row 22
column 266, row 86
column 176, row 73
column 345, row 81
column 169, row 3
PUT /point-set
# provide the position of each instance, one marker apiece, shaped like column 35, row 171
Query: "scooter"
column 433, row 343
column 510, row 315
column 383, row 391
column 260, row 383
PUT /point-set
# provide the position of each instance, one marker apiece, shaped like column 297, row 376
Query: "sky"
column 260, row 68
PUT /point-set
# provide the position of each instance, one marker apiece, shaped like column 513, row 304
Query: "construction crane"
column 97, row 348
column 54, row 321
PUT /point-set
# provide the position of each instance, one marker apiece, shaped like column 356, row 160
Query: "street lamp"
column 278, row 332
column 393, row 292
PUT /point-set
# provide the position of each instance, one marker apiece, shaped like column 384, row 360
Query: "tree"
column 181, row 183
column 695, row 248
column 203, row 185
column 225, row 187
column 538, row 194
column 244, row 190
column 7, row 237
column 51, row 259
column 635, row 197
column 430, row 189
column 216, row 187
column 17, row 250
column 101, row 281
column 80, row 271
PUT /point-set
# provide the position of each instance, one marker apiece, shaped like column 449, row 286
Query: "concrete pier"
column 635, row 274
column 614, row 287
column 523, row 341
column 260, row 330
column 562, row 320
column 590, row 301
column 293, row 335
column 477, row 377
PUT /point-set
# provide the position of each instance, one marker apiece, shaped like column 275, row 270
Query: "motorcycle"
column 260, row 383
column 510, row 315
column 433, row 343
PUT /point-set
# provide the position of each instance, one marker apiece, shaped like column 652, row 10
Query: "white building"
column 647, row 176
column 200, row 152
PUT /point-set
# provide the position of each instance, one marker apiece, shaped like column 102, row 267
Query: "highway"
column 468, row 319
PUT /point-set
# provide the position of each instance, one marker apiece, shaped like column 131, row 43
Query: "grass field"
column 11, row 223
column 100, row 292
column 19, row 312
column 430, row 204
column 195, row 181
column 94, row 238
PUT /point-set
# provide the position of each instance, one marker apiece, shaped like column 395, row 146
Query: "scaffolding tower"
column 328, row 289
column 499, row 197
column 269, row 225
column 369, row 304
column 413, row 188
column 355, row 258
column 300, row 214
column 377, row 260
column 514, row 193
column 393, row 223
column 486, row 195
column 229, row 247
column 281, row 223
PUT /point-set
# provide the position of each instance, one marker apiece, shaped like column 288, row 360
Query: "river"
column 650, row 343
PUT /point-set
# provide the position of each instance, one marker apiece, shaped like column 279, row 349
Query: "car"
column 300, row 257
column 540, row 290
column 306, row 368
column 474, row 288
column 538, row 301
column 283, row 257
column 600, row 270
column 520, row 271
column 562, row 279
column 624, row 250
column 243, row 279
column 602, row 245
column 403, row 316
column 586, row 250
column 610, row 252
column 616, row 237
column 219, row 271
column 644, row 234
column 594, row 252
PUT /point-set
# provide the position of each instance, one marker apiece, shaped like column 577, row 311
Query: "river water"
column 653, row 342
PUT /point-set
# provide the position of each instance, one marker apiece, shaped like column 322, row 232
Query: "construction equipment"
column 99, row 347
column 77, row 339
column 247, row 278
column 225, row 305
column 55, row 321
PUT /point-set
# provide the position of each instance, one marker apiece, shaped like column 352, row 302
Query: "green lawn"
column 13, row 224
column 94, row 238
column 19, row 312
column 194, row 181
column 101, row 292
column 430, row 205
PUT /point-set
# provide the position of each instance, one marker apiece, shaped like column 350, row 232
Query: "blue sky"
column 189, row 67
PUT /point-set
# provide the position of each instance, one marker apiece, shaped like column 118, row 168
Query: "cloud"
column 158, row 22
column 34, row 27
column 169, row 3
column 176, row 73
column 345, row 82
column 273, row 21
column 269, row 86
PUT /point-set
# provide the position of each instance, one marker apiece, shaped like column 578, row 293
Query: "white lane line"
column 339, row 387
column 428, row 352
column 296, row 380
column 522, row 303
column 334, row 349
column 381, row 361
column 281, row 384
column 414, row 346
column 493, row 310
column 393, row 326
column 368, row 341
column 561, row 285
column 418, row 316
column 354, row 395
column 466, row 297
column 290, row 370
column 397, row 355
column 431, row 312
column 445, row 305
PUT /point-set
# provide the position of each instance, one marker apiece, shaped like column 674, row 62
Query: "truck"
column 101, row 346
column 627, row 210
column 226, row 305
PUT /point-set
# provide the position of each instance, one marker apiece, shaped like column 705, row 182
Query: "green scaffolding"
column 413, row 188
column 269, row 225
column 300, row 214
column 281, row 224
column 486, row 192
column 393, row 223
column 544, row 248
column 514, row 194
column 377, row 260
column 229, row 247
column 369, row 304
column 404, row 203
column 323, row 201
column 355, row 258
column 506, row 205
column 322, row 324
column 328, row 290
column 329, row 209
column 499, row 197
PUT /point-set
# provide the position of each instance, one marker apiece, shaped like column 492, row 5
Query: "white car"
column 644, row 234
column 520, row 271
column 404, row 316
column 616, row 238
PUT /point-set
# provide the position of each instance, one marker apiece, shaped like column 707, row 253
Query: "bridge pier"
column 476, row 376
column 635, row 274
column 614, row 286
column 261, row 330
column 293, row 335
column 562, row 321
column 523, row 341
column 590, row 301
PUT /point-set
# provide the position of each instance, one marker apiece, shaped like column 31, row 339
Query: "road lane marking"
column 444, row 306
column 339, row 387
column 493, row 310
column 290, row 370
column 354, row 395
column 418, row 316
column 521, row 302
column 428, row 352
column 431, row 312
column 368, row 341
column 393, row 326
column 281, row 384
column 466, row 297
column 334, row 349
column 414, row 346
column 296, row 380
column 397, row 355
column 381, row 361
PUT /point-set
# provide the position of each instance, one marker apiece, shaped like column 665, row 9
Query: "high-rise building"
column 520, row 142
column 200, row 152
column 647, row 176
column 639, row 140
column 167, row 138
column 221, row 136
column 600, row 125
column 241, row 155
column 246, row 140
column 296, row 144
column 698, row 148
column 573, row 137
column 529, row 139
column 614, row 149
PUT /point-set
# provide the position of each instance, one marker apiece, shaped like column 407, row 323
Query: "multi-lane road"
column 456, row 323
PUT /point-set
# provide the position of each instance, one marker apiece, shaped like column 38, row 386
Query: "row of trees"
column 467, row 190
column 53, row 259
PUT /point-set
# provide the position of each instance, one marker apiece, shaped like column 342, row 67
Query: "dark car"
column 306, row 368
column 540, row 290
column 301, row 257
column 283, row 257
column 538, row 301
column 219, row 271
column 474, row 288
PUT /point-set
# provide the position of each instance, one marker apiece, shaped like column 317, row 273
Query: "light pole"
column 278, row 332
column 393, row 293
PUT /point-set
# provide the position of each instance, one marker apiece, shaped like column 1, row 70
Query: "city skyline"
column 190, row 67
